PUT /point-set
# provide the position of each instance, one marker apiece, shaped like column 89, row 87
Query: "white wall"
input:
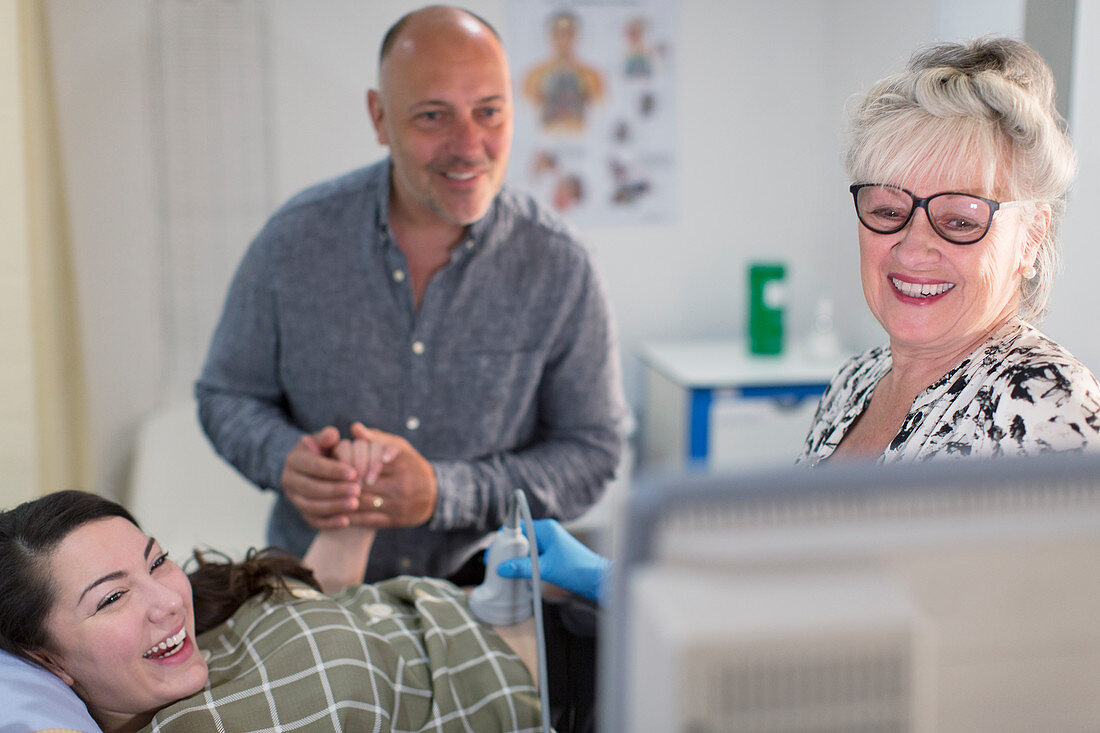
column 1073, row 312
column 761, row 100
column 752, row 167
column 953, row 20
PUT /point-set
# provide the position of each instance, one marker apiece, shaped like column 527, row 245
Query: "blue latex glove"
column 563, row 561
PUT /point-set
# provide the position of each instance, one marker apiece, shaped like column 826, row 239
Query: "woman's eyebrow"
column 116, row 574
column 108, row 577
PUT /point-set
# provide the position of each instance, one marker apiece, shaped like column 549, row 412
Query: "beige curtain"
column 53, row 419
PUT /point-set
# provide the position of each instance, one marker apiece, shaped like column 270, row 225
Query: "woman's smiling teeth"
column 168, row 647
column 917, row 290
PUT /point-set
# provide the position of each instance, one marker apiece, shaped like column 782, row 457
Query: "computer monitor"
column 945, row 596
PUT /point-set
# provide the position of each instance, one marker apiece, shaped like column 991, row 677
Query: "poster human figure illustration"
column 639, row 55
column 595, row 126
column 563, row 86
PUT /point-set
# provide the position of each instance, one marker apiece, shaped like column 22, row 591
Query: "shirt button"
column 405, row 563
column 378, row 610
column 412, row 423
column 469, row 244
column 418, row 347
column 398, row 276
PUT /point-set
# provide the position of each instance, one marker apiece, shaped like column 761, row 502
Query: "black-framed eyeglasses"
column 960, row 218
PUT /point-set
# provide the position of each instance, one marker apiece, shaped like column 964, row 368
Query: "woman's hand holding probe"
column 563, row 560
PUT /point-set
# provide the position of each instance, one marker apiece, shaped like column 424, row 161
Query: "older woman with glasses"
column 960, row 167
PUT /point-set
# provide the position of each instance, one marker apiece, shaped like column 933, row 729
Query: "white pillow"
column 34, row 699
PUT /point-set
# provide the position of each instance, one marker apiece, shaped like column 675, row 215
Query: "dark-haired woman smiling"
column 87, row 595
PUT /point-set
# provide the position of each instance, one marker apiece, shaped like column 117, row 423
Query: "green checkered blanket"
column 401, row 655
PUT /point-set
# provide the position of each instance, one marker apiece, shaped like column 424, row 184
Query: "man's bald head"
column 444, row 108
column 442, row 15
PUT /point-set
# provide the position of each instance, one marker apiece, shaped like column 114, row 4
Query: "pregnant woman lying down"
column 87, row 595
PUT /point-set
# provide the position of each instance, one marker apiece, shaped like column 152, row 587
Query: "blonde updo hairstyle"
column 986, row 103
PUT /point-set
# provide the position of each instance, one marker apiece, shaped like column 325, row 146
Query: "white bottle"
column 823, row 343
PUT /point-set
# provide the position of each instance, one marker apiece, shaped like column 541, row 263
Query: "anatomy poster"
column 595, row 125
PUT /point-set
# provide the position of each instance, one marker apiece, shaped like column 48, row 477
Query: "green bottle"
column 767, row 301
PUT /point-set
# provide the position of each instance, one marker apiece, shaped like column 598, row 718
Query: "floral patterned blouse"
column 1018, row 394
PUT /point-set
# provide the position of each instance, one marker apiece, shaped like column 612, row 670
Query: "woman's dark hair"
column 219, row 587
column 29, row 534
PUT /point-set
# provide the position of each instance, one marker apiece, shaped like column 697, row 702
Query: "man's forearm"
column 562, row 478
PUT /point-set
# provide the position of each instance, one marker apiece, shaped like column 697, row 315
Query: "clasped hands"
column 375, row 479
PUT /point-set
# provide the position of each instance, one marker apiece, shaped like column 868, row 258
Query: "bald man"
column 456, row 326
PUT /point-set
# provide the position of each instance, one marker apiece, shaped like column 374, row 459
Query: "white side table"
column 711, row 404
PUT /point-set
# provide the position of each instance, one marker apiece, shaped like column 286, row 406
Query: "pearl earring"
column 1028, row 272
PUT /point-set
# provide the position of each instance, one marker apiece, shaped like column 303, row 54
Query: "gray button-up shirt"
column 507, row 377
